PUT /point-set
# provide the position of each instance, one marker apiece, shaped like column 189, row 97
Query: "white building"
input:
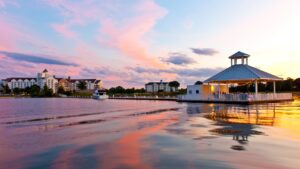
column 19, row 82
column 47, row 79
column 159, row 86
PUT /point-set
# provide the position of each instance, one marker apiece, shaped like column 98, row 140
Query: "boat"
column 99, row 95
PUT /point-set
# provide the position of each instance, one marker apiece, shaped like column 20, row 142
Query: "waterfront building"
column 19, row 82
column 153, row 87
column 91, row 84
column 216, row 88
column 45, row 78
column 65, row 83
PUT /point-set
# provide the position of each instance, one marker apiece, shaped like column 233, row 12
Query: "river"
column 131, row 134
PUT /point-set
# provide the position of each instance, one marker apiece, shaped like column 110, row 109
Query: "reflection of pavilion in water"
column 240, row 121
column 252, row 114
column 237, row 121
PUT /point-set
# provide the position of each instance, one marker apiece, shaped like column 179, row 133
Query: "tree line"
column 288, row 85
column 34, row 91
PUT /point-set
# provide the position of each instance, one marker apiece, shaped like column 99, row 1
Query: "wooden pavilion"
column 216, row 88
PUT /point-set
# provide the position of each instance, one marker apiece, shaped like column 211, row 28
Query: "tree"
column 120, row 89
column 34, row 90
column 27, row 90
column 17, row 90
column 296, row 84
column 47, row 92
column 81, row 85
column 174, row 84
column 142, row 90
column 61, row 90
column 130, row 91
column 6, row 89
column 198, row 83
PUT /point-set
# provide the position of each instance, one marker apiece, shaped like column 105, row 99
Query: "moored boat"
column 99, row 95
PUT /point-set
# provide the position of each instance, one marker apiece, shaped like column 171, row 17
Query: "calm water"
column 86, row 133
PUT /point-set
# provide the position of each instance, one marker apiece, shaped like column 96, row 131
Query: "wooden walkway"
column 146, row 98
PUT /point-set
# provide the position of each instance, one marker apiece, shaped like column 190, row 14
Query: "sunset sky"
column 130, row 42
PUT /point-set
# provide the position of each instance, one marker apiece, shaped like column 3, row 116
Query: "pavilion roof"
column 239, row 54
column 242, row 73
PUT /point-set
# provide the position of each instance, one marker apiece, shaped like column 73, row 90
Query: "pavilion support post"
column 219, row 91
column 256, row 88
column 274, row 87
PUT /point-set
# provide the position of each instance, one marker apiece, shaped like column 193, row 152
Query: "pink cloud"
column 129, row 36
column 125, row 31
column 8, row 35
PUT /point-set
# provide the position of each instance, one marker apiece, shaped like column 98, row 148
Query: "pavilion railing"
column 239, row 97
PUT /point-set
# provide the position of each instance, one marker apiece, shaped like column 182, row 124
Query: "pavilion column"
column 274, row 87
column 219, row 90
column 256, row 87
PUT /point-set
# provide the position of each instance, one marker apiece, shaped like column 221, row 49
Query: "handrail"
column 238, row 97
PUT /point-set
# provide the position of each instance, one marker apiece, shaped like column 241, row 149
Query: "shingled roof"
column 242, row 72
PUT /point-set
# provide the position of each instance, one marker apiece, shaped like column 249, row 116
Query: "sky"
column 132, row 42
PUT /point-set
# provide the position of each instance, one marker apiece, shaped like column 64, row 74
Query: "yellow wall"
column 210, row 89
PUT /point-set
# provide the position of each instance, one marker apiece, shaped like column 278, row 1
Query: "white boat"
column 99, row 95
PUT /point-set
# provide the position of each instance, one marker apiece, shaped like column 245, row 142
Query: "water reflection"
column 243, row 121
column 145, row 134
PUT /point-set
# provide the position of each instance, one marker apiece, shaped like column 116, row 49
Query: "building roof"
column 59, row 78
column 19, row 78
column 238, row 55
column 74, row 80
column 151, row 83
column 45, row 71
column 242, row 73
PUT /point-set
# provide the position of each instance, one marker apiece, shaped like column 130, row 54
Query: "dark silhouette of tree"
column 6, row 89
column 34, row 90
column 281, row 86
column 174, row 85
column 81, row 85
column 296, row 84
column 17, row 90
column 198, row 83
column 61, row 90
column 47, row 92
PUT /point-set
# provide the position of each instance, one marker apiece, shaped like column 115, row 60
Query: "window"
column 190, row 92
column 197, row 91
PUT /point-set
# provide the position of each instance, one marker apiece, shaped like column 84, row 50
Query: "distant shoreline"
column 118, row 97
